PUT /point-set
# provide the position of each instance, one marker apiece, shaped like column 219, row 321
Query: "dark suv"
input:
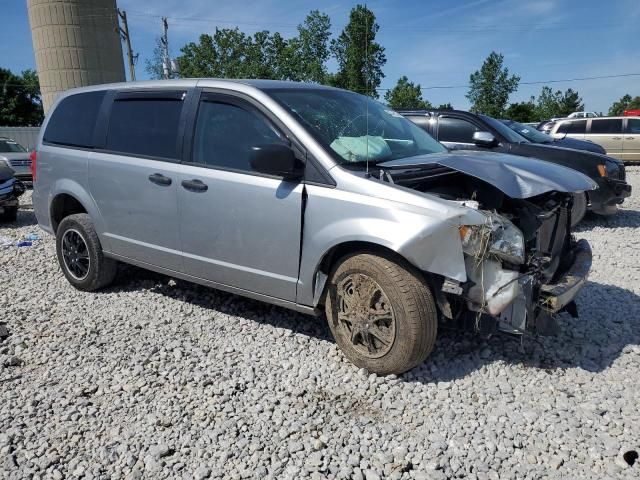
column 460, row 130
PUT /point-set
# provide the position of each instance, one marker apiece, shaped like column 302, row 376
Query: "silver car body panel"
column 266, row 257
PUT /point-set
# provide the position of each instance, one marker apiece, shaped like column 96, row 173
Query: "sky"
column 434, row 42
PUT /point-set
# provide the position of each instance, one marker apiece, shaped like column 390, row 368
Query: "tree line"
column 360, row 60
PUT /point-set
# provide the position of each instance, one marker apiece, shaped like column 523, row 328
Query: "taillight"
column 34, row 157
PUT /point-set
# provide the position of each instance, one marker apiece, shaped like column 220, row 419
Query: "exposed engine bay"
column 514, row 261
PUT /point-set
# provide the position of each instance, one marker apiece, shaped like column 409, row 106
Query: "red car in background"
column 632, row 113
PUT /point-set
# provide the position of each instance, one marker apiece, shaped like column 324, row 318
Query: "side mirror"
column 276, row 159
column 484, row 139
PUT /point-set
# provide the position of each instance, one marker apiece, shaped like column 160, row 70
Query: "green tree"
column 360, row 58
column 230, row 53
column 556, row 104
column 406, row 95
column 625, row 103
column 522, row 111
column 491, row 86
column 570, row 102
column 309, row 51
column 20, row 101
column 445, row 106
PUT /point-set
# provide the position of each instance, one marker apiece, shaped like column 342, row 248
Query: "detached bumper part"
column 609, row 195
column 554, row 297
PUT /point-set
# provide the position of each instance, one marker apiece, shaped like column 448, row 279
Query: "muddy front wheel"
column 382, row 314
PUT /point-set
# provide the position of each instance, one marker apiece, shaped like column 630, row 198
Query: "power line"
column 408, row 28
column 435, row 87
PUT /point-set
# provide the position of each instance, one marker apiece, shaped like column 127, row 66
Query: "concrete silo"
column 76, row 43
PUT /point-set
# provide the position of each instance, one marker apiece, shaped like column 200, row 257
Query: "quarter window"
column 146, row 126
column 74, row 120
column 609, row 125
column 456, row 130
column 633, row 125
column 225, row 134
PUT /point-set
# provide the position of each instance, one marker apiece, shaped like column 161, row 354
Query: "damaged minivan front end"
column 522, row 263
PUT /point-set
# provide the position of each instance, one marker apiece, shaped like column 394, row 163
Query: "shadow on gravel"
column 624, row 218
column 26, row 217
column 131, row 278
column 609, row 321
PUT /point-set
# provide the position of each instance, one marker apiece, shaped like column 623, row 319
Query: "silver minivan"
column 619, row 136
column 311, row 198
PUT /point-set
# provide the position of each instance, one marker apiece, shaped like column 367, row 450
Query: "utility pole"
column 124, row 33
column 164, row 40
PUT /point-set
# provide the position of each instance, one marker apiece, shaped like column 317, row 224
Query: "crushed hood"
column 517, row 177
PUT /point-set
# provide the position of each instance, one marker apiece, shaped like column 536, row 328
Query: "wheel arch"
column 334, row 256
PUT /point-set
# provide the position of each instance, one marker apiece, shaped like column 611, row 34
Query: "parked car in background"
column 631, row 113
column 619, row 136
column 469, row 131
column 582, row 115
column 10, row 190
column 267, row 189
column 536, row 136
column 545, row 126
column 15, row 156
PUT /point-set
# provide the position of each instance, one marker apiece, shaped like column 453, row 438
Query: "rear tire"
column 381, row 314
column 10, row 214
column 80, row 254
column 579, row 209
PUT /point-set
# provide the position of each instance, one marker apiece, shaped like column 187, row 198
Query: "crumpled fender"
column 427, row 235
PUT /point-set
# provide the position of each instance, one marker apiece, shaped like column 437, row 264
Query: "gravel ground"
column 156, row 378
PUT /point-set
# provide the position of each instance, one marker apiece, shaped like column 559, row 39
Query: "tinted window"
column 9, row 146
column 145, row 126
column 74, row 120
column 633, row 125
column 456, row 130
column 608, row 125
column 573, row 127
column 511, row 135
column 225, row 134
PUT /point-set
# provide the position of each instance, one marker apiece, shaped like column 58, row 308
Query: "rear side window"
column 633, row 125
column 573, row 127
column 456, row 130
column 146, row 126
column 74, row 120
column 608, row 125
column 225, row 134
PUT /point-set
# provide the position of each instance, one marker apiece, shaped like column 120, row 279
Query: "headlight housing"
column 498, row 237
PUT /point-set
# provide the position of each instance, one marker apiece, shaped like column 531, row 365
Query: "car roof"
column 434, row 111
column 260, row 84
column 617, row 117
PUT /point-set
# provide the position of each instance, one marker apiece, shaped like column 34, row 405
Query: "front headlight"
column 498, row 237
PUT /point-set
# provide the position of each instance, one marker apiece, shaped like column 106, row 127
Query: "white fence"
column 25, row 136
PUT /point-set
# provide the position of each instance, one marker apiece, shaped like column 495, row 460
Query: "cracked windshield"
column 356, row 128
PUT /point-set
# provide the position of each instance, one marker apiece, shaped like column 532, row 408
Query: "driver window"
column 456, row 130
column 225, row 134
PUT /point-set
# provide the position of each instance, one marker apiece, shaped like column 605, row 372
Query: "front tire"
column 579, row 209
column 381, row 314
column 80, row 254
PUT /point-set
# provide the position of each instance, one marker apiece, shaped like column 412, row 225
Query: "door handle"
column 629, row 138
column 194, row 185
column 616, row 138
column 159, row 179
